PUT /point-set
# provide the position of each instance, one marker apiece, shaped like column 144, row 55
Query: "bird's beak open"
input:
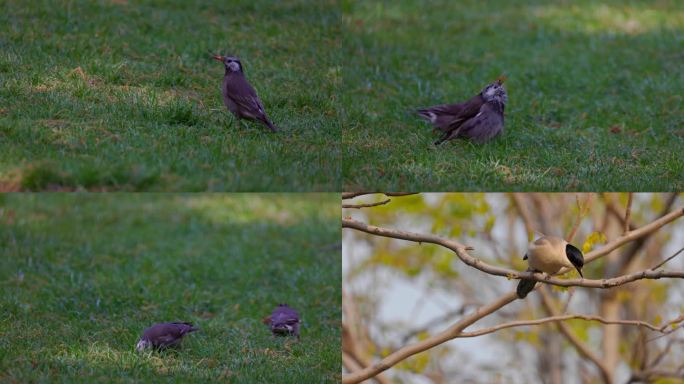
column 217, row 57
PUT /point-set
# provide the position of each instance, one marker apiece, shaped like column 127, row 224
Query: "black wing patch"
column 576, row 258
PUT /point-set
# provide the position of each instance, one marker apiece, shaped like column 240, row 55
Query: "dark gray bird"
column 549, row 254
column 164, row 335
column 239, row 96
column 479, row 119
column 284, row 321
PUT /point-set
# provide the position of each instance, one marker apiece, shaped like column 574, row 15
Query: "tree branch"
column 582, row 348
column 600, row 319
column 351, row 195
column 628, row 212
column 462, row 252
column 409, row 350
column 359, row 206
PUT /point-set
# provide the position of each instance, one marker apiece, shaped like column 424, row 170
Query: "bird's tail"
column 427, row 114
column 271, row 125
column 525, row 286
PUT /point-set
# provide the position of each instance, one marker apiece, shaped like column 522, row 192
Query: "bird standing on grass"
column 164, row 335
column 239, row 96
column 479, row 119
column 549, row 254
column 284, row 321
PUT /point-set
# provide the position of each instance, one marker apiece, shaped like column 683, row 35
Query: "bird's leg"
column 442, row 139
column 448, row 136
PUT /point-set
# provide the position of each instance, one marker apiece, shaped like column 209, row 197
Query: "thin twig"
column 600, row 319
column 666, row 260
column 581, row 347
column 628, row 212
column 581, row 213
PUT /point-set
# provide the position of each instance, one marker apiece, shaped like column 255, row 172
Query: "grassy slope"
column 82, row 276
column 576, row 73
column 115, row 94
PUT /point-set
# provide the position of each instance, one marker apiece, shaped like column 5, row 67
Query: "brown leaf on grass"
column 615, row 129
column 573, row 183
column 79, row 71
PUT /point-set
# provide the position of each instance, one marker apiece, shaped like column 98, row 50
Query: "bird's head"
column 142, row 345
column 495, row 91
column 231, row 63
column 283, row 328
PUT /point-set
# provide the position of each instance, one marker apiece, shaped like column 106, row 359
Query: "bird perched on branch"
column 549, row 254
column 164, row 335
column 283, row 321
column 239, row 96
column 479, row 119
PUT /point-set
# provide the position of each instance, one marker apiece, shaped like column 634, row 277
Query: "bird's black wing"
column 576, row 258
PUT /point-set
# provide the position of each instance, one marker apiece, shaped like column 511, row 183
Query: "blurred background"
column 83, row 275
column 398, row 292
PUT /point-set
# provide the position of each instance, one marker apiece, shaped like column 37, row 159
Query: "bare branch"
column 524, row 213
column 668, row 259
column 359, row 206
column 350, row 363
column 582, row 348
column 351, row 195
column 600, row 319
column 410, row 350
column 581, row 212
column 461, row 252
column 628, row 212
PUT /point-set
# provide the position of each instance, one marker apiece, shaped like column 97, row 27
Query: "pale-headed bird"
column 164, row 335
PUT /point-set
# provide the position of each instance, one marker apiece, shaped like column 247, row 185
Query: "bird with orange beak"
column 239, row 96
column 479, row 119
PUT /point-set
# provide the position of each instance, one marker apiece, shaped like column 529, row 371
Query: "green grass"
column 595, row 94
column 81, row 276
column 122, row 95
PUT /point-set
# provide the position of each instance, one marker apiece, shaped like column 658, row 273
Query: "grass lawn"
column 596, row 94
column 122, row 95
column 82, row 276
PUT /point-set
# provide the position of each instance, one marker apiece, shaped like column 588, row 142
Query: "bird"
column 479, row 119
column 549, row 254
column 239, row 96
column 164, row 335
column 283, row 321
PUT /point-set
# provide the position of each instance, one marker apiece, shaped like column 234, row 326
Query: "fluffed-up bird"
column 283, row 321
column 479, row 119
column 164, row 335
column 549, row 254
column 239, row 96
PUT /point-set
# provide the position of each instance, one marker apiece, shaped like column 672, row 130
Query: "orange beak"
column 217, row 57
column 501, row 79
